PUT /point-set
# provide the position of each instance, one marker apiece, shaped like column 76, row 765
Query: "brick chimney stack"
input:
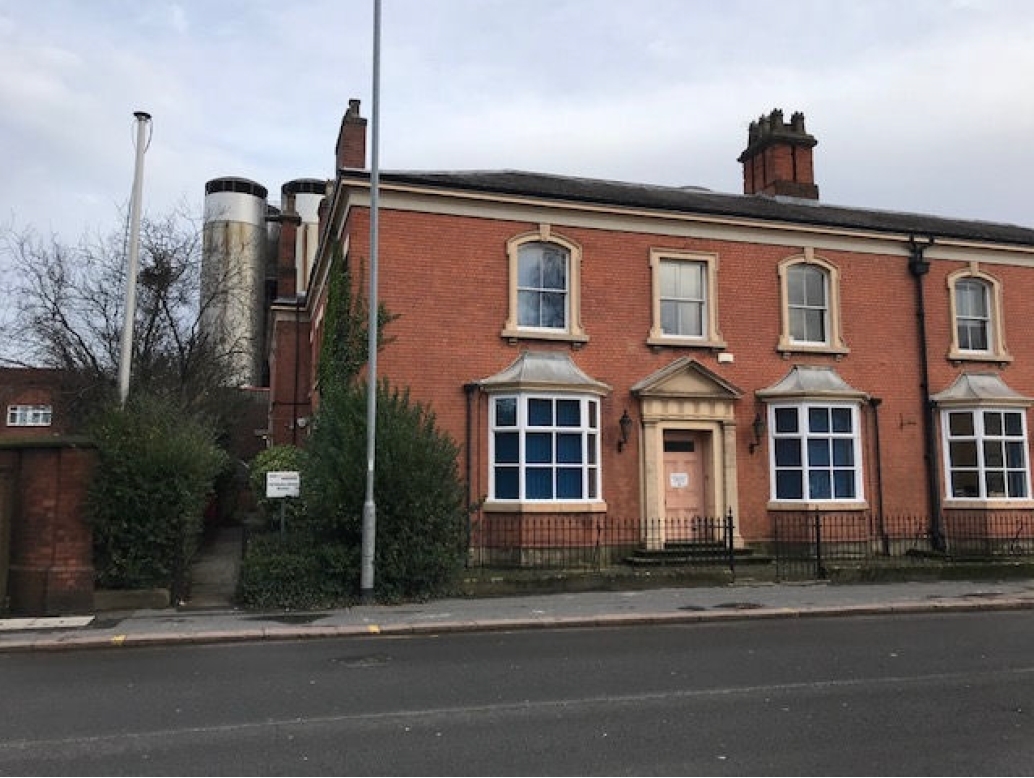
column 351, row 140
column 777, row 160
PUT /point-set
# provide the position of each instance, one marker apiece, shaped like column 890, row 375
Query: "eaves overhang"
column 570, row 190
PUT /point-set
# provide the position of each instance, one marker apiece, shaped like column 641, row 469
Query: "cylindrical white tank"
column 234, row 257
column 302, row 196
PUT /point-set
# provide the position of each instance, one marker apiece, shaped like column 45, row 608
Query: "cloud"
column 916, row 106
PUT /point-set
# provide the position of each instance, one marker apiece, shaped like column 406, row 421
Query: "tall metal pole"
column 369, row 506
column 142, row 120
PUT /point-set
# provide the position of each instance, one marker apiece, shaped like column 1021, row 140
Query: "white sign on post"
column 283, row 483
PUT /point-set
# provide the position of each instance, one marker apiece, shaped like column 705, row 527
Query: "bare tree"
column 66, row 307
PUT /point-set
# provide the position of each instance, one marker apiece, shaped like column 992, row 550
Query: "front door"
column 684, row 493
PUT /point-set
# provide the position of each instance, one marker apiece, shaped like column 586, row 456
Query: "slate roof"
column 697, row 200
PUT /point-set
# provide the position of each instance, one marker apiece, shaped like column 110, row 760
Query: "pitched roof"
column 703, row 201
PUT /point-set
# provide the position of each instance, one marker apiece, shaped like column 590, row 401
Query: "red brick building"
column 29, row 402
column 46, row 553
column 621, row 350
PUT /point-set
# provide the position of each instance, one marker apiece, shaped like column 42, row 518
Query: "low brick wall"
column 49, row 542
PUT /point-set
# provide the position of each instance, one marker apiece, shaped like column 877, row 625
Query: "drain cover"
column 739, row 606
column 290, row 618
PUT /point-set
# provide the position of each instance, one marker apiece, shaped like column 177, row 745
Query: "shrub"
column 421, row 527
column 156, row 466
column 296, row 573
column 274, row 458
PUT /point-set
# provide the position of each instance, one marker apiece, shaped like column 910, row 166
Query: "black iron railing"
column 805, row 544
column 802, row 545
column 596, row 542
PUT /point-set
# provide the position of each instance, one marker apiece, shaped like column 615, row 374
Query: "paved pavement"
column 654, row 606
column 209, row 615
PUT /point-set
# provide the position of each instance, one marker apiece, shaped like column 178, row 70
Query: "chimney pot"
column 778, row 157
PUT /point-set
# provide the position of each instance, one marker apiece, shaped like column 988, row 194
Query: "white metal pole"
column 366, row 574
column 142, row 120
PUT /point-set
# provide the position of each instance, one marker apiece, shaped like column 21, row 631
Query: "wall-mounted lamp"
column 625, row 422
column 758, row 428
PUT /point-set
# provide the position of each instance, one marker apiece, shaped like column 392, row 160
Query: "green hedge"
column 421, row 525
column 297, row 573
column 421, row 521
column 156, row 468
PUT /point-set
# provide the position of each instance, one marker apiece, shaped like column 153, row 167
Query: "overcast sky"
column 921, row 106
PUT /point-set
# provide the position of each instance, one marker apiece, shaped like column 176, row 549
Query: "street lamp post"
column 366, row 573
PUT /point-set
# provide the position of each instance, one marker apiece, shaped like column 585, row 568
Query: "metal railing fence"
column 805, row 544
column 595, row 542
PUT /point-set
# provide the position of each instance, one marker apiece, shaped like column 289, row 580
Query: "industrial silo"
column 234, row 258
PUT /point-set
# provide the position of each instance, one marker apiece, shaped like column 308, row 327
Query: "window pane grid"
column 683, row 297
column 552, row 454
column 542, row 286
column 972, row 315
column 29, row 415
column 814, row 452
column 807, row 304
column 986, row 455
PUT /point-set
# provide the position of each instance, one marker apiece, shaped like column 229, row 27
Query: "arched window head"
column 544, row 288
column 810, row 299
column 976, row 310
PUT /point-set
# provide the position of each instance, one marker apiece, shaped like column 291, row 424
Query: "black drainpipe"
column 297, row 367
column 919, row 266
column 469, row 389
column 874, row 403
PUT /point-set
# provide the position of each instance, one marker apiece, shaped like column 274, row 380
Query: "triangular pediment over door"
column 686, row 403
column 686, row 378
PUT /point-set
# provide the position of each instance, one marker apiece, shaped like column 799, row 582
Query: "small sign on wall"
column 678, row 480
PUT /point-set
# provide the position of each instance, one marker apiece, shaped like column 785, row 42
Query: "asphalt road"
column 945, row 694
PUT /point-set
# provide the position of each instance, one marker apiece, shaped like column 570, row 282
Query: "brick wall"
column 51, row 549
column 446, row 278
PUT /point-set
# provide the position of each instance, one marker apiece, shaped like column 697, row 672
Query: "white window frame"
column 982, row 318
column 587, row 430
column 572, row 330
column 697, row 303
column 833, row 342
column 29, row 415
column 981, row 440
column 996, row 350
column 710, row 336
column 806, row 306
column 807, row 467
column 540, row 291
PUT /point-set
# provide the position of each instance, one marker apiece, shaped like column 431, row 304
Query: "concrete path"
column 214, row 575
column 587, row 609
